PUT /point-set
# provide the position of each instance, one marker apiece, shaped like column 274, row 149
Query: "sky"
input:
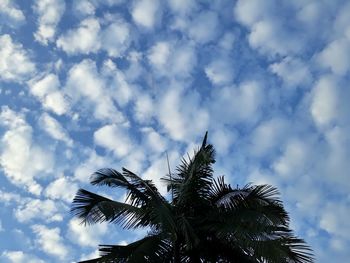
column 88, row 84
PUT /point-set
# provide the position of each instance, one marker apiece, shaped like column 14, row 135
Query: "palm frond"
column 159, row 208
column 93, row 208
column 149, row 249
column 285, row 248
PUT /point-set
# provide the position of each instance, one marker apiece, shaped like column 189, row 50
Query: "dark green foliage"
column 206, row 221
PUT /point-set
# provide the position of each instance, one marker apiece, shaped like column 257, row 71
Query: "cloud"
column 83, row 39
column 143, row 108
column 117, row 82
column 46, row 210
column 109, row 137
column 223, row 139
column 116, row 38
column 293, row 71
column 21, row 167
column 268, row 32
column 10, row 14
column 182, row 6
column 16, row 65
column 154, row 141
column 90, row 37
column 237, row 104
column 336, row 223
column 87, row 89
column 204, row 27
column 146, row 13
column 220, row 71
column 91, row 164
column 181, row 114
column 47, row 89
column 294, row 158
column 268, row 136
column 19, row 257
column 86, row 236
column 324, row 105
column 54, row 129
column 84, row 7
column 50, row 241
column 54, row 189
column 9, row 197
column 173, row 60
column 336, row 56
column 159, row 54
column 49, row 15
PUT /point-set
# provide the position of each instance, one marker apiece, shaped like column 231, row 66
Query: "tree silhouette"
column 205, row 221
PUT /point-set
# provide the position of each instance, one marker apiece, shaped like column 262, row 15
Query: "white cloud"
column 184, row 60
column 237, row 104
column 174, row 60
column 9, row 13
column 146, row 12
column 324, row 105
column 19, row 257
column 220, row 71
column 159, row 54
column 116, row 38
column 154, row 140
column 84, row 7
column 46, row 210
column 86, row 88
column 21, row 167
column 336, row 56
column 49, row 14
column 50, row 241
column 144, row 108
column 182, row 6
column 181, row 114
column 293, row 159
column 248, row 12
column 120, row 89
column 93, row 254
column 86, row 236
column 223, row 138
column 114, row 138
column 9, row 197
column 90, row 37
column 62, row 188
column 269, row 38
column 205, row 27
column 47, row 90
column 83, row 39
column 268, row 136
column 268, row 32
column 336, row 223
column 293, row 71
column 336, row 164
column 15, row 62
column 91, row 165
column 54, row 129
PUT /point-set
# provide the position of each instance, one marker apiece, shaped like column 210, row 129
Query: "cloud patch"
column 16, row 64
column 49, row 15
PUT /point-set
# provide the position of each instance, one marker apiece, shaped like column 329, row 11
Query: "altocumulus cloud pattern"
column 87, row 84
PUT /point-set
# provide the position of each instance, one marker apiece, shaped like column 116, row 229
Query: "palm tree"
column 206, row 219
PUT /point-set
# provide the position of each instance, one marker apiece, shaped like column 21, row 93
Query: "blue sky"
column 95, row 83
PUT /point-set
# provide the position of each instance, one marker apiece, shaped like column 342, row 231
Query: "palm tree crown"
column 206, row 221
